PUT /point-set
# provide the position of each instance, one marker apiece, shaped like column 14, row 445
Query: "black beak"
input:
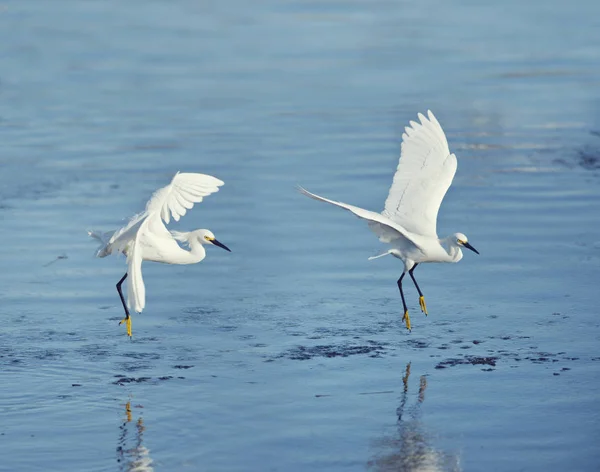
column 217, row 243
column 468, row 246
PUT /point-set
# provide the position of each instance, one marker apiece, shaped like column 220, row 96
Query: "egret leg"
column 127, row 319
column 405, row 318
column 421, row 297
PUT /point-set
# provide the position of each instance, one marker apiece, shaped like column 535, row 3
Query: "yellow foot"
column 127, row 321
column 423, row 306
column 406, row 318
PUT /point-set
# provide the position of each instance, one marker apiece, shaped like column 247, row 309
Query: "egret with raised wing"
column 146, row 238
column 408, row 221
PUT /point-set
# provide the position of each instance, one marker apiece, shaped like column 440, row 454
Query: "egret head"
column 206, row 236
column 463, row 241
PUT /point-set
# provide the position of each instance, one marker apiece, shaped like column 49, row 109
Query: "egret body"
column 408, row 222
column 146, row 238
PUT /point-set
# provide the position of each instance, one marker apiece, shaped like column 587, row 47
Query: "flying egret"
column 408, row 221
column 146, row 238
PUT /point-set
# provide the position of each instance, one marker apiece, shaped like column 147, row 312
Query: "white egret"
column 146, row 238
column 408, row 221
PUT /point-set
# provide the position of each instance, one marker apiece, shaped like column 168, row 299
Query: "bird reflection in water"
column 132, row 455
column 410, row 449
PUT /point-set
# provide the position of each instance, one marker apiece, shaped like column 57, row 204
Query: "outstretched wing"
column 423, row 176
column 179, row 196
column 174, row 200
column 386, row 229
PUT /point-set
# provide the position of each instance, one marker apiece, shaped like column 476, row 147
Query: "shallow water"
column 289, row 353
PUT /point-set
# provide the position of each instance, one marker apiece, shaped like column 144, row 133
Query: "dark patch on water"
column 418, row 343
column 134, row 366
column 589, row 159
column 142, row 355
column 227, row 328
column 124, row 380
column 467, row 360
column 530, row 353
column 183, row 366
column 302, row 353
column 94, row 351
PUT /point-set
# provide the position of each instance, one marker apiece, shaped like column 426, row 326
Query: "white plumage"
column 146, row 238
column 408, row 221
column 424, row 174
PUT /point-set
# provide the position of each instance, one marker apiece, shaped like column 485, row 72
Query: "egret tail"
column 104, row 239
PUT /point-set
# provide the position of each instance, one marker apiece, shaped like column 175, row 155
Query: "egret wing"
column 171, row 201
column 383, row 227
column 179, row 196
column 423, row 176
column 121, row 238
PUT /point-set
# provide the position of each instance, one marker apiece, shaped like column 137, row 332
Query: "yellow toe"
column 127, row 321
column 423, row 306
column 406, row 319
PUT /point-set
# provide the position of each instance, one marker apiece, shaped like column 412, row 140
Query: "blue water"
column 289, row 353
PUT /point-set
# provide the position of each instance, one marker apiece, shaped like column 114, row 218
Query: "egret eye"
column 207, row 238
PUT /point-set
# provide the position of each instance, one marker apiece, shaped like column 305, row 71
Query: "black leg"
column 405, row 317
column 413, row 278
column 127, row 318
column 421, row 297
column 119, row 283
column 401, row 292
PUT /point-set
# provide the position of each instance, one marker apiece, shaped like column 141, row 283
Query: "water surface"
column 289, row 353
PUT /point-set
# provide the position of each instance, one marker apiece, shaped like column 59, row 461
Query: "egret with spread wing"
column 146, row 238
column 408, row 221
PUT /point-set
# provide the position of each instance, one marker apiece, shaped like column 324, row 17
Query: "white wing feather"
column 121, row 238
column 423, row 176
column 180, row 195
column 174, row 200
column 386, row 229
